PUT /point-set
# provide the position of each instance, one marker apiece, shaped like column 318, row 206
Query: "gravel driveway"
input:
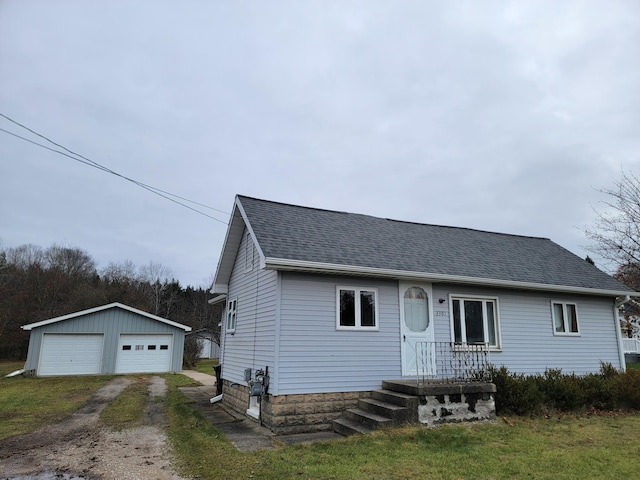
column 80, row 448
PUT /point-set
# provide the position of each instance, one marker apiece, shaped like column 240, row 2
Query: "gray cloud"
column 496, row 115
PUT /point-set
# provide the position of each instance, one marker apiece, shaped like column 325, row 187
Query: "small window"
column 475, row 321
column 164, row 347
column 126, row 347
column 565, row 318
column 357, row 308
column 232, row 307
column 139, row 347
column 151, row 347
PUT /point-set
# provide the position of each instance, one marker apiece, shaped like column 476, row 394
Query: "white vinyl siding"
column 249, row 256
column 253, row 341
column 528, row 344
column 314, row 357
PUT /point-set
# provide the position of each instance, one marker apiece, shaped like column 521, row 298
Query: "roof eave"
column 327, row 268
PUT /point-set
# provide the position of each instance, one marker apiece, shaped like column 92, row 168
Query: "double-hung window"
column 565, row 318
column 357, row 308
column 474, row 320
column 232, row 308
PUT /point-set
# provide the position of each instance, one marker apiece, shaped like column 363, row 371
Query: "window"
column 164, row 347
column 151, row 347
column 565, row 318
column 475, row 320
column 126, row 347
column 357, row 308
column 248, row 253
column 231, row 315
column 139, row 347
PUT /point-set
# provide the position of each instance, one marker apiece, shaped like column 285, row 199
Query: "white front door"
column 416, row 320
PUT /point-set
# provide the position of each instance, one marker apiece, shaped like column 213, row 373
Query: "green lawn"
column 633, row 366
column 206, row 365
column 28, row 403
column 558, row 447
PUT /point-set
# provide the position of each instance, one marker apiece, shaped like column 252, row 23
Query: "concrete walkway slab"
column 203, row 378
column 244, row 433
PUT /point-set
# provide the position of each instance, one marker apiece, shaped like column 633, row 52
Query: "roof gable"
column 106, row 307
column 301, row 238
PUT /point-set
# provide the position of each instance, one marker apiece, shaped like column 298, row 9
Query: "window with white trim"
column 474, row 320
column 357, row 308
column 565, row 318
column 232, row 308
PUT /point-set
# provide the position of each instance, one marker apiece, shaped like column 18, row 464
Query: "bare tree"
column 119, row 272
column 71, row 261
column 155, row 279
column 25, row 256
column 616, row 231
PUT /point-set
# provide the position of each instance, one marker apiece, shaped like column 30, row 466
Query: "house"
column 322, row 306
column 113, row 338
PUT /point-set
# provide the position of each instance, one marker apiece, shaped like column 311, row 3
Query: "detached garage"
column 113, row 338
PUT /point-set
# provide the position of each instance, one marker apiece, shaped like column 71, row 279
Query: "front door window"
column 418, row 356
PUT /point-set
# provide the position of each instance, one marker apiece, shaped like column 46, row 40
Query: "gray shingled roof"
column 312, row 235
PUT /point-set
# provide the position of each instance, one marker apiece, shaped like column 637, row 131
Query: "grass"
column 127, row 409
column 28, row 403
column 564, row 447
column 558, row 447
column 206, row 365
column 633, row 366
column 555, row 447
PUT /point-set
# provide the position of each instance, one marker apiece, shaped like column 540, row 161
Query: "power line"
column 87, row 161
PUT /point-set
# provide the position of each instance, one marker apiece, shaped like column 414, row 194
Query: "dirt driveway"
column 80, row 448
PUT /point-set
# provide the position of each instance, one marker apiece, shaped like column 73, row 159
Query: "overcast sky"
column 501, row 116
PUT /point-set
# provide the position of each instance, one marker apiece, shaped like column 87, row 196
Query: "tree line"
column 40, row 283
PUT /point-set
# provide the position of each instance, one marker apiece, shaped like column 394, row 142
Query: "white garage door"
column 70, row 354
column 144, row 353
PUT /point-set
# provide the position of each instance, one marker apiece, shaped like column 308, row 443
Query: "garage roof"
column 106, row 307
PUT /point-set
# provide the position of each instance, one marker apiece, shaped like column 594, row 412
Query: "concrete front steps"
column 385, row 408
column 401, row 402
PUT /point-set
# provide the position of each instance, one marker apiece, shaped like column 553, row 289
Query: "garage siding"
column 111, row 323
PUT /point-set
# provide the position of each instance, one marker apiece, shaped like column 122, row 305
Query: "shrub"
column 562, row 392
column 521, row 394
column 628, row 389
column 515, row 393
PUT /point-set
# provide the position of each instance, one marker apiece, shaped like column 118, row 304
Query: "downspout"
column 616, row 316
